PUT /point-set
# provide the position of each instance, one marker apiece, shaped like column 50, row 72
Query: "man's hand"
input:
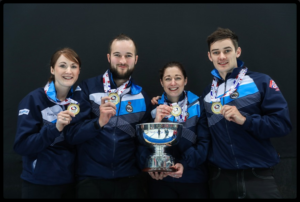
column 107, row 110
column 231, row 113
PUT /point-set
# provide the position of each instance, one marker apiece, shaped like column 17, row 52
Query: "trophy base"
column 170, row 169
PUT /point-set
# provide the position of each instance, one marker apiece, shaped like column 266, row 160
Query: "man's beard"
column 117, row 75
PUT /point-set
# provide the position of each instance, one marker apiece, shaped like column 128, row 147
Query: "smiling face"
column 173, row 83
column 122, row 59
column 66, row 73
column 224, row 56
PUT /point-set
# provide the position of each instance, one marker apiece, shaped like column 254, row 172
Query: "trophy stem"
column 160, row 161
column 159, row 150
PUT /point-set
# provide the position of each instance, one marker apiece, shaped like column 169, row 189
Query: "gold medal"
column 73, row 108
column 114, row 98
column 176, row 110
column 216, row 107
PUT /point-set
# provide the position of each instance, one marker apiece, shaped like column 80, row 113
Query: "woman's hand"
column 64, row 118
column 178, row 173
column 154, row 100
column 162, row 111
column 158, row 175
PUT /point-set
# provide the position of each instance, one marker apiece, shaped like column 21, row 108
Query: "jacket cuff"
column 184, row 164
column 247, row 123
column 96, row 124
column 54, row 130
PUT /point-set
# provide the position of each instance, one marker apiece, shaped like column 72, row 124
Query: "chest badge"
column 129, row 108
column 234, row 95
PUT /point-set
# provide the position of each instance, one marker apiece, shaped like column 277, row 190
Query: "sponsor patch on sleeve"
column 273, row 85
column 23, row 111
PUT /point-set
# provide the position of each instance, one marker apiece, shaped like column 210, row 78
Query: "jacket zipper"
column 112, row 166
column 227, row 128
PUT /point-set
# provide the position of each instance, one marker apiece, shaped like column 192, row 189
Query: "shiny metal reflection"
column 159, row 135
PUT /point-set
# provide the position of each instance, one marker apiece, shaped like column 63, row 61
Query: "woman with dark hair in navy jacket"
column 191, row 178
column 48, row 161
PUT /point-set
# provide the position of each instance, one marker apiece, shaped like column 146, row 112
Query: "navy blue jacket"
column 47, row 158
column 267, row 116
column 107, row 152
column 192, row 148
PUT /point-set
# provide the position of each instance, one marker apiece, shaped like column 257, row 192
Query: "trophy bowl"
column 158, row 136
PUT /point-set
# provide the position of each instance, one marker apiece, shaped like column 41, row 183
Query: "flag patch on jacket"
column 273, row 85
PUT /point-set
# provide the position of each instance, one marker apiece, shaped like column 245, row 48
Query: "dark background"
column 162, row 32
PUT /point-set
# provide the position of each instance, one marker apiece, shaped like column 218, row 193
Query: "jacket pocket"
column 263, row 173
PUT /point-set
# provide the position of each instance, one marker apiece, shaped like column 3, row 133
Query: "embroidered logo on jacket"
column 50, row 113
column 129, row 107
column 24, row 111
column 273, row 85
column 234, row 95
column 78, row 88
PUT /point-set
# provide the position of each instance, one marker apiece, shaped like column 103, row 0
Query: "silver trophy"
column 158, row 136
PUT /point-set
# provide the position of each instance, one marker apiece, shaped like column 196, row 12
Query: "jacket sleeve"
column 32, row 135
column 196, row 155
column 274, row 119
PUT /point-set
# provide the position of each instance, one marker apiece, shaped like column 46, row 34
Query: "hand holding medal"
column 232, row 92
column 63, row 118
column 162, row 111
column 107, row 110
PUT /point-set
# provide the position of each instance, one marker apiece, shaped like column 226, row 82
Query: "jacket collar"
column 232, row 74
column 135, row 89
column 191, row 97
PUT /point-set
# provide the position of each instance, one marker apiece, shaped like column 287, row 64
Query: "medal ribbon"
column 235, row 85
column 50, row 91
column 183, row 105
column 107, row 87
